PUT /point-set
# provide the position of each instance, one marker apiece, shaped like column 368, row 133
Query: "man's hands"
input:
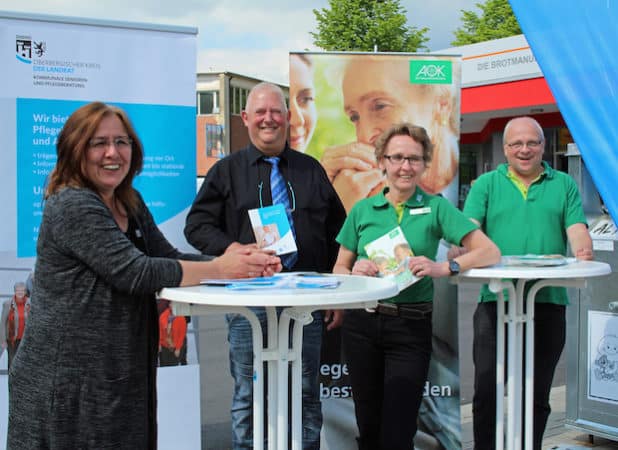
column 455, row 251
column 584, row 254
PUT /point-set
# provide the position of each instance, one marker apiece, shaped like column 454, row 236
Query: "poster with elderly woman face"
column 340, row 104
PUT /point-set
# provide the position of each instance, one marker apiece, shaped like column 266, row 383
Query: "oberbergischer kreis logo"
column 39, row 48
column 25, row 46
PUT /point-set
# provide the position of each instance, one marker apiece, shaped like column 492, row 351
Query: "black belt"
column 414, row 311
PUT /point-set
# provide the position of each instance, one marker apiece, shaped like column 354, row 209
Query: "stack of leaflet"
column 292, row 280
column 536, row 260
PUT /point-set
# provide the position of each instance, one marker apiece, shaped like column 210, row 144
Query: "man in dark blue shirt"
column 219, row 219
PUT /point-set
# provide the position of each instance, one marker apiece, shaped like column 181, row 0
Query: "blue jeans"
column 241, row 369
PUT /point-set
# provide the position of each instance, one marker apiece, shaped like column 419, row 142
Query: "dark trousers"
column 388, row 358
column 168, row 358
column 549, row 337
column 11, row 349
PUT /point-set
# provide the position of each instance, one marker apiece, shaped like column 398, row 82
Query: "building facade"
column 500, row 80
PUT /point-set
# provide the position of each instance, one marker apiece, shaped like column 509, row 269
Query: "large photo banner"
column 50, row 67
column 340, row 103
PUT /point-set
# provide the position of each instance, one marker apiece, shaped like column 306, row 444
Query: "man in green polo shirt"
column 525, row 207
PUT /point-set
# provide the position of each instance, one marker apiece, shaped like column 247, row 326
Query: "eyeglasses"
column 518, row 145
column 397, row 160
column 121, row 143
column 292, row 209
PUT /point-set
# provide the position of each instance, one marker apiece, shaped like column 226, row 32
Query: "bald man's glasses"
column 518, row 145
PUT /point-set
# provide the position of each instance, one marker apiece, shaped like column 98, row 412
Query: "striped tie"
column 279, row 194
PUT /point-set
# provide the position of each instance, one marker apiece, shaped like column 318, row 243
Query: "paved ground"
column 557, row 436
column 217, row 386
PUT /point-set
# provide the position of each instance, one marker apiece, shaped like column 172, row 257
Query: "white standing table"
column 297, row 304
column 513, row 279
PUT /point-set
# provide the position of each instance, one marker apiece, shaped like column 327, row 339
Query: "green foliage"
column 496, row 21
column 359, row 25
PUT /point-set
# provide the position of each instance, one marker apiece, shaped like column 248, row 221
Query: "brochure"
column 536, row 260
column 298, row 280
column 391, row 254
column 272, row 230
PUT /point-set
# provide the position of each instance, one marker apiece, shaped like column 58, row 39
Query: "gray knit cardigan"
column 85, row 373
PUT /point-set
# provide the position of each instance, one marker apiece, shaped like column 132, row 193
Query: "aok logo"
column 431, row 72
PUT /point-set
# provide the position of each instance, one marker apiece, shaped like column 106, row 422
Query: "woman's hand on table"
column 241, row 261
column 421, row 266
column 365, row 267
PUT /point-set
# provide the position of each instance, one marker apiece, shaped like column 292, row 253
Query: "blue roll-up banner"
column 577, row 47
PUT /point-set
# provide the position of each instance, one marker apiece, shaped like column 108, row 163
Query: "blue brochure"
column 278, row 281
column 272, row 230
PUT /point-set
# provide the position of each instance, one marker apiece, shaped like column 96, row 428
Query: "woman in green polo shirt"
column 388, row 349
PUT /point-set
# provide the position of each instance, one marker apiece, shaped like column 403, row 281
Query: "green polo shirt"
column 532, row 224
column 425, row 220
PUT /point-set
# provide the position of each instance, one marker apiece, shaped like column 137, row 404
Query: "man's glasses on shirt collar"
column 518, row 145
column 289, row 185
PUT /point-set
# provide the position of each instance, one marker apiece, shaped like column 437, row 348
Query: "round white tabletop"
column 353, row 289
column 574, row 269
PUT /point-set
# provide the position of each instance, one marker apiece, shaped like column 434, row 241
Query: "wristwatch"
column 453, row 266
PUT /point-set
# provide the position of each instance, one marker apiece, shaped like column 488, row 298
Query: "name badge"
column 420, row 211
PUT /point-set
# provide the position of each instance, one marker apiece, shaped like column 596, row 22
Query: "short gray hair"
column 417, row 133
column 263, row 86
column 533, row 121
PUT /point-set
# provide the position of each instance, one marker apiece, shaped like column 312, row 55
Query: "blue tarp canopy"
column 576, row 46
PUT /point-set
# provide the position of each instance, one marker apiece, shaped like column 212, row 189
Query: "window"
column 468, row 156
column 214, row 141
column 207, row 102
column 243, row 98
column 238, row 99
